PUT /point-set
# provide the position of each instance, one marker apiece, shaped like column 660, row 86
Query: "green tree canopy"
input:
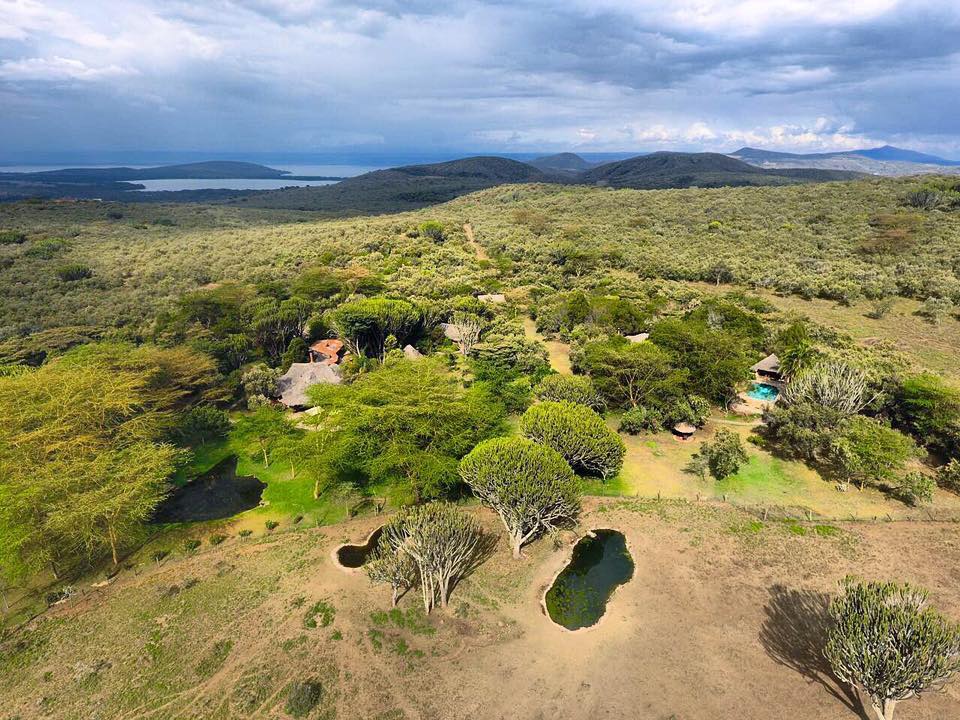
column 631, row 374
column 364, row 325
column 406, row 425
column 578, row 433
column 530, row 486
column 81, row 463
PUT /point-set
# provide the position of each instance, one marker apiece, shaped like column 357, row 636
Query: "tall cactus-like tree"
column 888, row 643
column 531, row 487
column 443, row 542
column 393, row 567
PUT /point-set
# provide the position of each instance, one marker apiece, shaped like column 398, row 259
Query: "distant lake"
column 226, row 184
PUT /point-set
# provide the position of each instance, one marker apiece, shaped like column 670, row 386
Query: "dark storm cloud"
column 603, row 74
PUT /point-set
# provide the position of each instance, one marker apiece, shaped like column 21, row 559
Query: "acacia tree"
column 578, row 434
column 631, row 374
column 81, row 463
column 395, row 568
column 364, row 325
column 886, row 642
column 266, row 427
column 723, row 457
column 867, row 452
column 531, row 487
column 443, row 542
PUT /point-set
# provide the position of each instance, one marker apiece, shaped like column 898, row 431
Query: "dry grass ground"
column 723, row 619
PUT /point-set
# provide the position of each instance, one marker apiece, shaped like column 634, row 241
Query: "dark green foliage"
column 803, row 430
column 928, row 409
column 73, row 272
column 530, row 486
column 364, row 325
column 302, row 697
column 716, row 360
column 317, row 283
column 889, row 644
column 406, row 425
column 509, row 356
column 569, row 388
column 191, row 544
column 629, row 374
column 578, row 433
column 201, row 424
column 297, row 352
column 725, row 455
column 867, row 452
column 217, row 538
column 273, row 323
column 562, row 312
column 271, row 525
column 641, row 419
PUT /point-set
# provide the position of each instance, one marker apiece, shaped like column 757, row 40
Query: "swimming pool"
column 764, row 392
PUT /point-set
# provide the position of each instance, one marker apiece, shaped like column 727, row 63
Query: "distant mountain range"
column 886, row 160
column 410, row 187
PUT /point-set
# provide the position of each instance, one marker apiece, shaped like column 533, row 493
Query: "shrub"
column 202, row 423
column 73, row 272
column 886, row 642
column 578, row 433
column 191, row 544
column 271, row 524
column 432, row 229
column 915, row 488
column 569, row 388
column 246, row 532
column 641, row 419
column 303, row 697
column 12, row 237
column 724, row 456
column 935, row 309
column 320, row 614
column 948, row 476
column 46, row 248
column 217, row 538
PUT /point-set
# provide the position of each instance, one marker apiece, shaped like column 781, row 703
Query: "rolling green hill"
column 678, row 170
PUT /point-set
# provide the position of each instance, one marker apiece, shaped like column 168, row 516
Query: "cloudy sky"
column 499, row 75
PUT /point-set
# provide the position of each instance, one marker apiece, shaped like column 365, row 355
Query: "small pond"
column 600, row 564
column 764, row 392
column 217, row 494
column 354, row 556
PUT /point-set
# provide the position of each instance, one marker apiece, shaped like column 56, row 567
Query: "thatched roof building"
column 769, row 367
column 295, row 382
column 411, row 353
column 684, row 430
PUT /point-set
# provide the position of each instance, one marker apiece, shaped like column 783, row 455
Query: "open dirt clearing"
column 723, row 619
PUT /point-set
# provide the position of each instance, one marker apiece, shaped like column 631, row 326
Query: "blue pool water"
column 762, row 391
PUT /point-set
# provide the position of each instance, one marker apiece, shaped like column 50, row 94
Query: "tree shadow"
column 484, row 550
column 794, row 634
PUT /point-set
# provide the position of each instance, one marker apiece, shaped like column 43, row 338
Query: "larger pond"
column 217, row 494
column 601, row 563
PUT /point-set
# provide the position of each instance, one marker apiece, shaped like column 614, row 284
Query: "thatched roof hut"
column 411, row 353
column 769, row 367
column 295, row 382
column 684, row 430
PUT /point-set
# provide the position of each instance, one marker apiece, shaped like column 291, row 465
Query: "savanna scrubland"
column 152, row 337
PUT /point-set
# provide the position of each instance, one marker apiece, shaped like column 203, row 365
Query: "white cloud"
column 57, row 69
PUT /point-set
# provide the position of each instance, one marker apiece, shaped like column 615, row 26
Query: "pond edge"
column 335, row 553
column 569, row 558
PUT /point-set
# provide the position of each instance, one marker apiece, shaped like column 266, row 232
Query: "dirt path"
column 472, row 241
column 558, row 352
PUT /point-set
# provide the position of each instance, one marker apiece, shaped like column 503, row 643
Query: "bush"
column 46, row 248
column 202, row 423
column 246, row 532
column 724, row 456
column 73, row 272
column 12, row 237
column 303, row 697
column 217, row 538
column 578, row 433
column 191, row 545
column 271, row 524
column 432, row 229
column 569, row 388
column 915, row 488
column 948, row 476
column 641, row 419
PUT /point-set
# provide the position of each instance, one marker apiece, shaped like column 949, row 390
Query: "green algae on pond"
column 600, row 564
